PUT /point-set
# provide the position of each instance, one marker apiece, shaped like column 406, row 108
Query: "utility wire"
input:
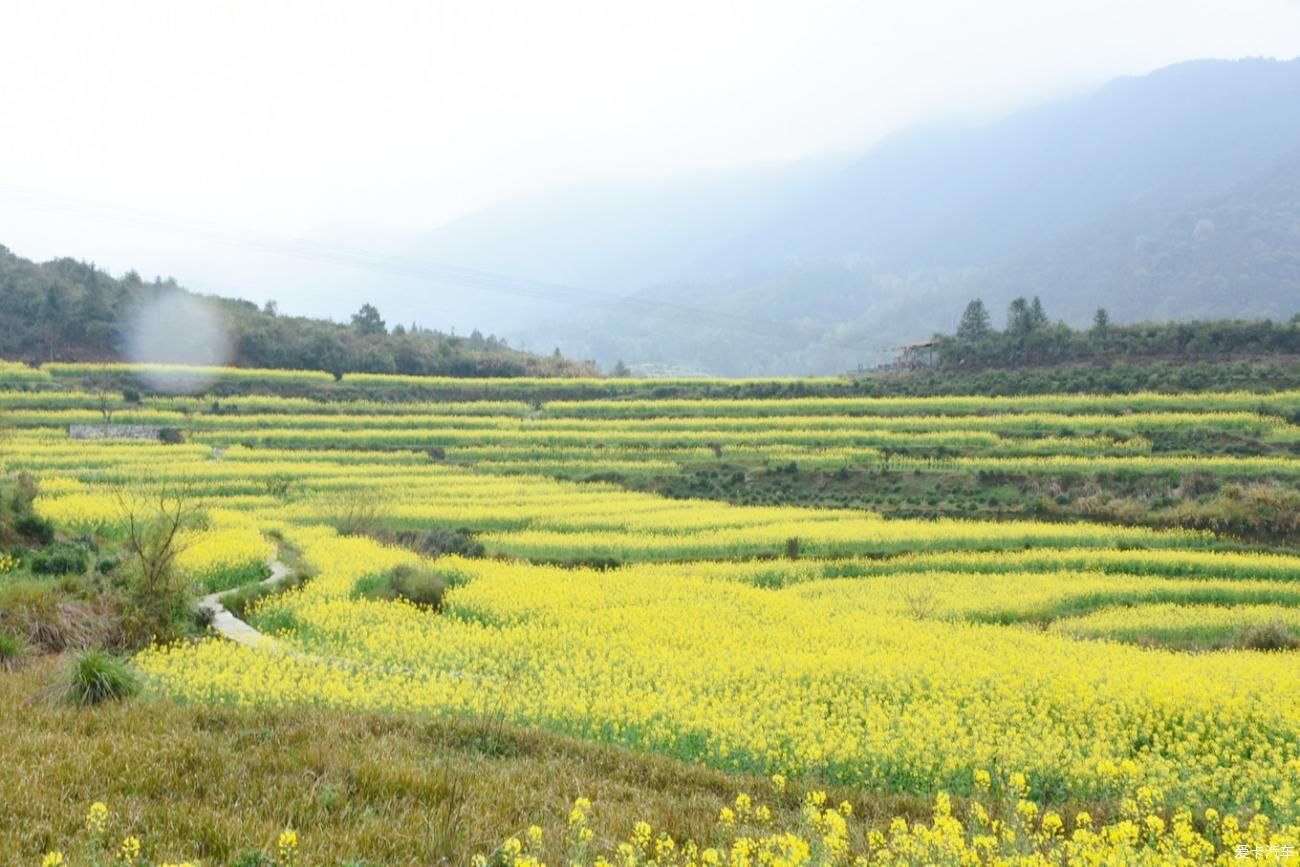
column 404, row 266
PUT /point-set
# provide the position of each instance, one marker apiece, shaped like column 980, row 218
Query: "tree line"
column 67, row 310
column 1029, row 337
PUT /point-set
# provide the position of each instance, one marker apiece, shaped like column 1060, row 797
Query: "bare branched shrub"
column 106, row 407
column 920, row 600
column 355, row 514
column 279, row 485
column 154, row 523
column 105, row 401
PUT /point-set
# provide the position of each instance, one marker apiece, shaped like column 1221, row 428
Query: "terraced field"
column 1129, row 670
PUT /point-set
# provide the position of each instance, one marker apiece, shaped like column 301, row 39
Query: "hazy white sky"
column 277, row 117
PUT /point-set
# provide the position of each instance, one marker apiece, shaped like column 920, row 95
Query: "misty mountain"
column 1169, row 195
column 1172, row 195
column 1234, row 253
column 582, row 247
column 968, row 195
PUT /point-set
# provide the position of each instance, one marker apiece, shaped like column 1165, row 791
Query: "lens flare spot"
column 184, row 332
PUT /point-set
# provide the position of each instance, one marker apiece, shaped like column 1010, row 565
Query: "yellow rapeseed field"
column 1028, row 664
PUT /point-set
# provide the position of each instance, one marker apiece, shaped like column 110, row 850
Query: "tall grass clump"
column 414, row 584
column 1268, row 637
column 97, row 677
column 12, row 648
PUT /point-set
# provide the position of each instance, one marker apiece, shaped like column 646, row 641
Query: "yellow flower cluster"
column 286, row 846
column 96, row 817
column 65, row 370
column 129, row 851
column 82, row 512
column 1046, row 434
column 533, row 517
column 1115, row 404
column 1015, row 832
column 854, row 680
column 229, row 552
column 860, row 535
column 16, row 373
column 1166, row 622
column 899, row 655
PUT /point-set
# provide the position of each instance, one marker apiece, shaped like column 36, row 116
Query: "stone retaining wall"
column 113, row 431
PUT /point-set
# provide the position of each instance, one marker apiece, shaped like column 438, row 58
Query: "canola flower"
column 1015, row 832
column 204, row 373
column 843, row 683
column 96, row 816
column 229, row 552
column 131, row 849
column 1055, row 433
column 286, row 846
column 1178, row 623
column 1116, row 404
column 897, row 655
column 17, row 373
column 829, row 538
column 1149, row 464
column 533, row 517
column 513, row 393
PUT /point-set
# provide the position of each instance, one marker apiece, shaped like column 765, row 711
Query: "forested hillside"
column 66, row 310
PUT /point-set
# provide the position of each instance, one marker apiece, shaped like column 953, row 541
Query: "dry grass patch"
column 210, row 783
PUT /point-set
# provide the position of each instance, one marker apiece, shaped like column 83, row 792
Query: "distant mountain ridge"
column 963, row 195
column 1168, row 195
column 1087, row 201
column 1235, row 252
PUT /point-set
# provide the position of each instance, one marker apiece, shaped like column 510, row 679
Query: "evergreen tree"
column 975, row 323
column 1018, row 320
column 1037, row 316
column 1100, row 321
column 55, row 317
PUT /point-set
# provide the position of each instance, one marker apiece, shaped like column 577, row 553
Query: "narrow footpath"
column 229, row 626
column 232, row 628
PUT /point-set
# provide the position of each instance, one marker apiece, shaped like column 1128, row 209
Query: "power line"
column 403, row 266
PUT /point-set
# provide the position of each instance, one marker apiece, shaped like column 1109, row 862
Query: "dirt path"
column 232, row 628
column 229, row 626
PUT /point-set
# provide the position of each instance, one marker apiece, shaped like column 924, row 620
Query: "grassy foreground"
column 211, row 783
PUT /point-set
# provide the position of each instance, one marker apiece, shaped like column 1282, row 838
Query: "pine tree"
column 975, row 323
column 55, row 316
column 1018, row 321
column 1100, row 321
column 1037, row 316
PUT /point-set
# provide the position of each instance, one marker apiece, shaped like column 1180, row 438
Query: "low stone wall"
column 113, row 431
